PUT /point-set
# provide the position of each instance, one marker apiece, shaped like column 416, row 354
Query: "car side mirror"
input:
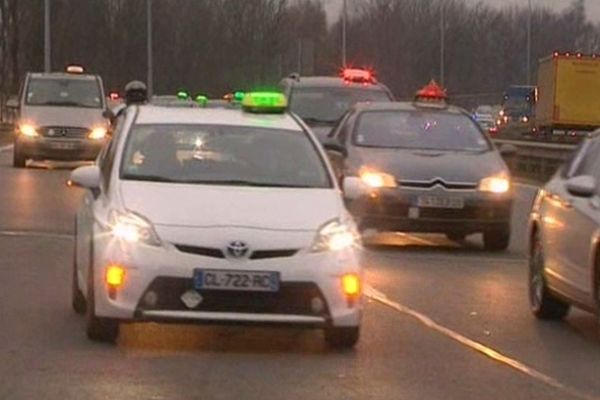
column 508, row 150
column 88, row 177
column 332, row 146
column 12, row 102
column 354, row 188
column 582, row 186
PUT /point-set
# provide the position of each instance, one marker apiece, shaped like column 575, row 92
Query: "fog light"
column 115, row 276
column 351, row 284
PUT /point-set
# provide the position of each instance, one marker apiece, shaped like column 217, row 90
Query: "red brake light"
column 114, row 96
column 358, row 75
column 555, row 54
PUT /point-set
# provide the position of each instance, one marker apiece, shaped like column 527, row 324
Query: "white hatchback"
column 215, row 216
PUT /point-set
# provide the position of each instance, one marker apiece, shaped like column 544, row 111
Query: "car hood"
column 215, row 206
column 77, row 117
column 421, row 165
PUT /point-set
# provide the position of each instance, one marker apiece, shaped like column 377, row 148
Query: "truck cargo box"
column 568, row 93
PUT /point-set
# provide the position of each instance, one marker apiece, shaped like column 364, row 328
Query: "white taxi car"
column 215, row 215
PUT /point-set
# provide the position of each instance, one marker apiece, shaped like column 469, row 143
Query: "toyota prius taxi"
column 215, row 216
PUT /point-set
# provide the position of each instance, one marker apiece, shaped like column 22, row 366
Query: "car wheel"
column 497, row 239
column 456, row 236
column 19, row 159
column 77, row 298
column 98, row 329
column 342, row 338
column 543, row 304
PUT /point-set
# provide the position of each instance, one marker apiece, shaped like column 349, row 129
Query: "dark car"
column 428, row 167
column 322, row 101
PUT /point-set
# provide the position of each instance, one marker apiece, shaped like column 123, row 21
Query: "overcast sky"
column 593, row 6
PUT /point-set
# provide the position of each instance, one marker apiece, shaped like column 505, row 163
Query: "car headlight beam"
column 335, row 236
column 376, row 179
column 28, row 130
column 98, row 133
column 132, row 228
column 495, row 184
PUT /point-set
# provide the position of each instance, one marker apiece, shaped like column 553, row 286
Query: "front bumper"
column 306, row 278
column 62, row 149
column 398, row 210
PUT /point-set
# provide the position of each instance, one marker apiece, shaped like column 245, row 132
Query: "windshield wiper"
column 149, row 178
column 242, row 182
column 320, row 121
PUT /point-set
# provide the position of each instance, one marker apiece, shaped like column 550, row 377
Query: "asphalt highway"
column 443, row 321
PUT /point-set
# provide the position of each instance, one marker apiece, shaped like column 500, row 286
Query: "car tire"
column 19, row 159
column 497, row 239
column 544, row 305
column 77, row 298
column 98, row 329
column 342, row 338
column 456, row 236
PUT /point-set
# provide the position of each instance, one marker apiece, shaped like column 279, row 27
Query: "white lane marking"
column 6, row 148
column 489, row 352
column 37, row 234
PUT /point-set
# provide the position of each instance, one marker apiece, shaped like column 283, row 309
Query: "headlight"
column 376, row 179
column 132, row 228
column 495, row 184
column 525, row 119
column 28, row 130
column 335, row 236
column 97, row 133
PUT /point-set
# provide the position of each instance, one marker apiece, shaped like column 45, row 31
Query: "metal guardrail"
column 536, row 161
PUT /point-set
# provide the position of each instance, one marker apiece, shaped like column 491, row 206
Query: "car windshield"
column 419, row 129
column 223, row 155
column 328, row 104
column 64, row 92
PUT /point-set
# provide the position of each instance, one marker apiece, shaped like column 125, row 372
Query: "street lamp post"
column 47, row 54
column 344, row 32
column 442, row 43
column 529, row 17
column 150, row 72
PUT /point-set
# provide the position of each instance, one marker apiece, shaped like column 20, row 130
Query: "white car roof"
column 149, row 114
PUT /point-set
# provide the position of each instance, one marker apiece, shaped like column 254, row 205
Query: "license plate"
column 251, row 281
column 62, row 146
column 440, row 202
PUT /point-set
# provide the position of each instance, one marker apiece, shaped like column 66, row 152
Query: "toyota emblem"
column 237, row 249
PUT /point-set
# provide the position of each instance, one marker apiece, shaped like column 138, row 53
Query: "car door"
column 569, row 226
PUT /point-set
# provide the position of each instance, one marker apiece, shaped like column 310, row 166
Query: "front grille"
column 201, row 251
column 440, row 182
column 64, row 132
column 265, row 254
column 292, row 298
column 218, row 253
column 398, row 209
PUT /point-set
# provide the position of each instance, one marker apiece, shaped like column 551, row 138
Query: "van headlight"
column 335, row 236
column 98, row 133
column 132, row 228
column 495, row 184
column 28, row 130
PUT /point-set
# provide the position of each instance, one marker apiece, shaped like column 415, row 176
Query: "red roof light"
column 114, row 96
column 358, row 75
column 432, row 92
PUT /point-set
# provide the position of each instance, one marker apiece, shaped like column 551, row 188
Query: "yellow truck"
column 568, row 95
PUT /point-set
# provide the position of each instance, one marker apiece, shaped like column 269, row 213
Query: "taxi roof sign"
column 357, row 75
column 183, row 95
column 432, row 95
column 202, row 100
column 264, row 102
column 75, row 69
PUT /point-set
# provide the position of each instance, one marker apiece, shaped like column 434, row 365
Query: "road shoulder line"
column 489, row 352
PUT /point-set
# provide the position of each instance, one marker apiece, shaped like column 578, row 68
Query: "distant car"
column 245, row 227
column 322, row 101
column 564, row 249
column 427, row 167
column 60, row 117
